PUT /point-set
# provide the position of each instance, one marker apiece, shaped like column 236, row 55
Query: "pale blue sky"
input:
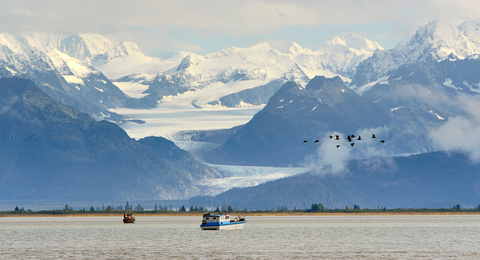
column 208, row 26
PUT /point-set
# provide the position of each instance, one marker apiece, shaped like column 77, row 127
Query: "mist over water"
column 294, row 237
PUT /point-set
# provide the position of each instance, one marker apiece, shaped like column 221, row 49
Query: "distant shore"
column 251, row 214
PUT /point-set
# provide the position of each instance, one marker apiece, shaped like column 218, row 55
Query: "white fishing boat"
column 222, row 221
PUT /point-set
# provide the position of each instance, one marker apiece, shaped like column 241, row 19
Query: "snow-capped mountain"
column 84, row 47
column 61, row 76
column 242, row 72
column 127, row 59
column 19, row 57
column 425, row 83
column 434, row 42
column 338, row 57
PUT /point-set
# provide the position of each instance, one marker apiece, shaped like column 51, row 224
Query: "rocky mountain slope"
column 49, row 151
column 275, row 135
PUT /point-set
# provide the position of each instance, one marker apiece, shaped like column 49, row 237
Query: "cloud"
column 328, row 159
column 461, row 133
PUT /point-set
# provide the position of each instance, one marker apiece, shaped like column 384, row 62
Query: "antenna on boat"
column 226, row 204
column 211, row 199
column 206, row 204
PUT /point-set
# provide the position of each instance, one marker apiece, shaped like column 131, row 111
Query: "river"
column 279, row 237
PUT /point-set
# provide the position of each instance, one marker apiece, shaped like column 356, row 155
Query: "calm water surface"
column 316, row 237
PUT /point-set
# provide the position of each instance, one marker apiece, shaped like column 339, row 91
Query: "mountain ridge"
column 50, row 151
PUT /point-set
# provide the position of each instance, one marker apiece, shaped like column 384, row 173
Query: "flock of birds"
column 351, row 139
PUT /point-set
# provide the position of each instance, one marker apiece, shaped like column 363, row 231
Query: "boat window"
column 227, row 217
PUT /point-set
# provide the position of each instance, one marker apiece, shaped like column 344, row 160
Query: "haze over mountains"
column 420, row 97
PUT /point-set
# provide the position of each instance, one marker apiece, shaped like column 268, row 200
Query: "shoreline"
column 252, row 214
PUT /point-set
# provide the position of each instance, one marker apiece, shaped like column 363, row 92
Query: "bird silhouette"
column 305, row 141
column 316, row 141
column 337, row 137
column 353, row 136
column 331, row 136
column 349, row 138
column 352, row 144
column 359, row 138
column 383, row 141
column 338, row 145
column 373, row 136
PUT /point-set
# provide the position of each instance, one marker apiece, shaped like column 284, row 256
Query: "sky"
column 208, row 26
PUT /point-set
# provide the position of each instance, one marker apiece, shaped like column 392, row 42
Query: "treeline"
column 356, row 208
column 158, row 208
column 108, row 209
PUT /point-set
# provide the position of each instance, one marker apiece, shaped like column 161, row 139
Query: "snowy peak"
column 124, row 49
column 354, row 43
column 438, row 40
column 80, row 46
column 434, row 42
column 296, row 49
column 190, row 61
column 11, row 43
column 97, row 44
column 19, row 56
column 471, row 30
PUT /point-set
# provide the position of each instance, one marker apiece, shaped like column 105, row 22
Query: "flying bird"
column 338, row 145
column 305, row 141
column 373, row 136
column 352, row 144
column 337, row 137
column 383, row 141
column 316, row 141
column 331, row 136
column 349, row 138
column 359, row 138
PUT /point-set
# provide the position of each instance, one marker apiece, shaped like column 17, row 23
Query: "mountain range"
column 420, row 98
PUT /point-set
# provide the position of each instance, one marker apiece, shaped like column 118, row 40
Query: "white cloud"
column 328, row 159
column 461, row 133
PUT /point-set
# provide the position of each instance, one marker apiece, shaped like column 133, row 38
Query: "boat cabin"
column 216, row 218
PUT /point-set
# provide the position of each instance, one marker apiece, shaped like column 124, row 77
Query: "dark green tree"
column 316, row 208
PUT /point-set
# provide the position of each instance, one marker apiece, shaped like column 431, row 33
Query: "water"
column 298, row 237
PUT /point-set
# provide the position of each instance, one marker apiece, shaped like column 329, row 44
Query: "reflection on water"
column 319, row 237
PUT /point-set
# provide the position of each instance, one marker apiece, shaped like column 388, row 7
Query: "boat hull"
column 219, row 226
